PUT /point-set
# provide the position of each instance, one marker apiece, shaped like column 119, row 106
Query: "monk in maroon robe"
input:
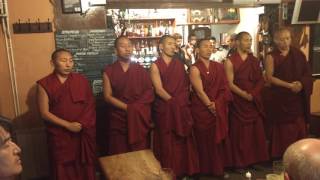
column 174, row 143
column 128, row 91
column 287, row 100
column 66, row 103
column 246, row 112
column 209, row 106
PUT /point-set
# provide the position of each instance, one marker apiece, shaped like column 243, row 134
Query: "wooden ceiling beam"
column 164, row 4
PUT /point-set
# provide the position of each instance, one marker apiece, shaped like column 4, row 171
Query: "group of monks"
column 205, row 119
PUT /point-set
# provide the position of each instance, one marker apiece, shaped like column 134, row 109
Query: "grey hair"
column 301, row 165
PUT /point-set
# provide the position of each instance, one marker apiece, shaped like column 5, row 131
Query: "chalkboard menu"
column 92, row 50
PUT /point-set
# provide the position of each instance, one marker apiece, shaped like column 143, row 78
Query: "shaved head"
column 244, row 42
column 240, row 35
column 280, row 31
column 302, row 160
column 282, row 38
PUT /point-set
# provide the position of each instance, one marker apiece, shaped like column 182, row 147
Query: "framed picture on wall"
column 71, row 6
column 198, row 16
column 226, row 15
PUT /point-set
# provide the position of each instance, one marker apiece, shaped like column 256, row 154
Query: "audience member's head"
column 302, row 160
column 178, row 39
column 232, row 40
column 10, row 163
column 213, row 40
column 192, row 39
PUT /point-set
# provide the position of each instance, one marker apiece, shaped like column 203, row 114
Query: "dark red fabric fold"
column 247, row 76
column 88, row 134
column 129, row 130
column 293, row 67
column 211, row 131
column 217, row 89
column 174, row 144
column 246, row 117
column 72, row 101
column 138, row 122
column 288, row 112
column 285, row 105
column 176, row 83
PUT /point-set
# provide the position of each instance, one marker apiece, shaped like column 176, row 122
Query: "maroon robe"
column 246, row 118
column 174, row 143
column 211, row 131
column 72, row 155
column 288, row 112
column 128, row 131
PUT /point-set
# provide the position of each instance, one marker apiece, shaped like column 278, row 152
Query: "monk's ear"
column 276, row 40
column 160, row 47
column 52, row 62
column 237, row 42
column 197, row 50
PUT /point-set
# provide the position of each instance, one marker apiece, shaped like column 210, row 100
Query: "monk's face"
column 205, row 49
column 168, row 47
column 124, row 48
column 283, row 40
column 63, row 63
column 244, row 43
column 10, row 163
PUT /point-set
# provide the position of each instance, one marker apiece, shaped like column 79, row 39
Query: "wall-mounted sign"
column 71, row 6
column 213, row 16
column 97, row 2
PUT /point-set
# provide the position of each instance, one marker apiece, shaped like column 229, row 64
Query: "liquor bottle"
column 146, row 47
column 134, row 54
column 156, row 29
column 170, row 28
column 166, row 30
column 134, row 50
column 138, row 47
column 161, row 29
column 150, row 47
column 129, row 30
column 154, row 48
column 145, row 52
column 146, row 30
column 142, row 31
column 216, row 20
column 137, row 30
column 150, row 30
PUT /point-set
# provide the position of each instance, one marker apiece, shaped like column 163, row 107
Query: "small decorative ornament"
column 248, row 175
